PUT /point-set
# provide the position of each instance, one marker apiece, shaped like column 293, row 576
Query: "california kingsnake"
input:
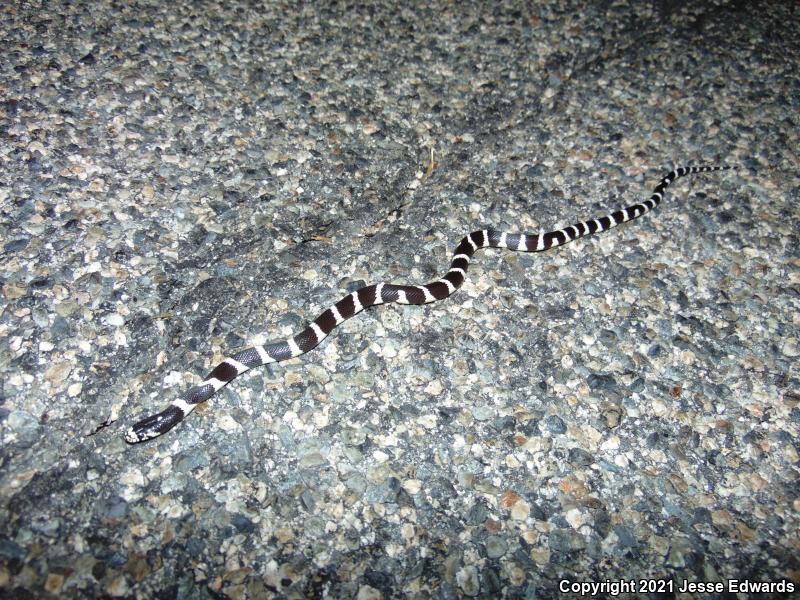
column 384, row 293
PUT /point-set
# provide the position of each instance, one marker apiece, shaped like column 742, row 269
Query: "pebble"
column 555, row 424
column 496, row 546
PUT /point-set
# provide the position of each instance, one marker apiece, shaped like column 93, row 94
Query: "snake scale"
column 385, row 293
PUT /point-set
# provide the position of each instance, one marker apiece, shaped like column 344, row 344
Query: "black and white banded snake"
column 385, row 293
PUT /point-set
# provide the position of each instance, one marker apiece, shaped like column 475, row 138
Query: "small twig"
column 431, row 166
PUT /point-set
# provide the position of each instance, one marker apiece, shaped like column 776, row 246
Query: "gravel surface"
column 179, row 180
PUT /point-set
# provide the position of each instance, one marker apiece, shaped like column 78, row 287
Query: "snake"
column 386, row 293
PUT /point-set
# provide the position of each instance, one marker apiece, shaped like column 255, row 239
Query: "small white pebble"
column 412, row 486
column 115, row 319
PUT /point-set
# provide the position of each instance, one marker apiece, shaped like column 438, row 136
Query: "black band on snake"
column 384, row 293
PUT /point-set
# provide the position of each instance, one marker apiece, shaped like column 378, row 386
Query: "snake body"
column 385, row 293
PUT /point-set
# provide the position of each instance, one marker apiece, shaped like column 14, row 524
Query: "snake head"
column 155, row 425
